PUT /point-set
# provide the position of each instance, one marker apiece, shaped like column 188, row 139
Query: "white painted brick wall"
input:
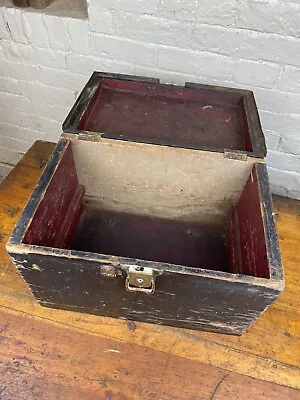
column 151, row 29
column 101, row 20
column 253, row 73
column 45, row 61
column 194, row 63
column 47, row 94
column 57, row 30
column 4, row 32
column 129, row 51
column 20, row 71
column 289, row 145
column 87, row 64
column 14, row 19
column 63, row 79
column 247, row 44
column 30, row 55
column 78, row 32
column 272, row 16
column 35, row 30
column 272, row 140
column 287, row 162
column 138, row 6
column 183, row 10
column 209, row 12
column 289, row 79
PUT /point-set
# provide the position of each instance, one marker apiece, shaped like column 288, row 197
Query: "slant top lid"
column 138, row 109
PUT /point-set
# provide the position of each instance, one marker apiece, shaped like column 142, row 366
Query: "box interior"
column 152, row 112
column 155, row 203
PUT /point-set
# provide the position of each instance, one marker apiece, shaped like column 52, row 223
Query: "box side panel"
column 33, row 202
column 272, row 243
column 179, row 299
column 247, row 232
column 59, row 208
column 252, row 238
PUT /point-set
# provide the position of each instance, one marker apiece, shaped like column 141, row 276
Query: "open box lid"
column 194, row 116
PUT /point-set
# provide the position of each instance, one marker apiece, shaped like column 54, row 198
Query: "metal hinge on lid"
column 236, row 155
column 140, row 279
column 90, row 136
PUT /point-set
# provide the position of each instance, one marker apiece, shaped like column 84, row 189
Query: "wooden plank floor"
column 53, row 354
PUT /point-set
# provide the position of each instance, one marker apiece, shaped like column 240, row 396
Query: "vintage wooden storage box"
column 155, row 206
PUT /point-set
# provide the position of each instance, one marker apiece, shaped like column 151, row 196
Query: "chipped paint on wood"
column 35, row 267
column 89, row 275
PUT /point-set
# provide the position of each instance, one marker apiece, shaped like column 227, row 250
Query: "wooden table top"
column 54, row 354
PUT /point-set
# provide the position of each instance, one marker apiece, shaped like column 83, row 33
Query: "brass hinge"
column 90, row 136
column 236, row 155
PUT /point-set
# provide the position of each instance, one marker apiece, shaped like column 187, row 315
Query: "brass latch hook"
column 140, row 279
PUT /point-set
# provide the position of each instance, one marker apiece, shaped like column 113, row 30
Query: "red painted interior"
column 60, row 221
column 60, row 208
column 246, row 237
column 176, row 115
column 71, row 219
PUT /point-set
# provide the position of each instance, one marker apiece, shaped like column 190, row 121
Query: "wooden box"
column 155, row 206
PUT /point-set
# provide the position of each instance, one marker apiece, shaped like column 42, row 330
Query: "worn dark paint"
column 179, row 300
column 271, row 237
column 80, row 263
column 187, row 297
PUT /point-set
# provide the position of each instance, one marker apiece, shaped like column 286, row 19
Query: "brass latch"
column 140, row 279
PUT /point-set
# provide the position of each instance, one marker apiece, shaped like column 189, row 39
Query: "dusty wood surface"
column 52, row 354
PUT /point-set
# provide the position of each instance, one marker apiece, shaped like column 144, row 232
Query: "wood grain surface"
column 54, row 354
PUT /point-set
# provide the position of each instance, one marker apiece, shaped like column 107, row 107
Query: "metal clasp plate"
column 140, row 279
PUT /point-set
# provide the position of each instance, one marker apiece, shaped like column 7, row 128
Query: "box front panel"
column 179, row 299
